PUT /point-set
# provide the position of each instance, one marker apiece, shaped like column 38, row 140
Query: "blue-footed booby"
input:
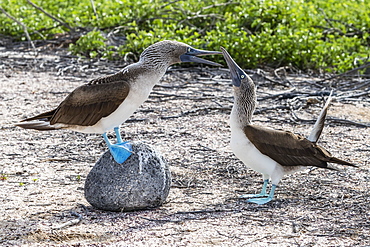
column 106, row 102
column 274, row 153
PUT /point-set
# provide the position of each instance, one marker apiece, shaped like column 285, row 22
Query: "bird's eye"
column 242, row 76
column 189, row 49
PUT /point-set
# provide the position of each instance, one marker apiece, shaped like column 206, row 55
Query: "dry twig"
column 332, row 120
column 346, row 73
column 71, row 222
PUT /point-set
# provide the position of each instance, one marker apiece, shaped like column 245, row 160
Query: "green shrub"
column 317, row 34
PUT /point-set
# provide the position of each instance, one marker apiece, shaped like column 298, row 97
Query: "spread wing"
column 289, row 149
column 87, row 104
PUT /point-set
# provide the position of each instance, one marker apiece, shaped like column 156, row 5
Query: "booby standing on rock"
column 105, row 103
column 273, row 153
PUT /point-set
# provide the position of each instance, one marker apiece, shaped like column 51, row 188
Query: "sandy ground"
column 185, row 118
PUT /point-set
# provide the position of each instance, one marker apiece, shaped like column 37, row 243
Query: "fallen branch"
column 332, row 120
column 165, row 221
column 362, row 85
column 346, row 73
column 279, row 107
column 161, row 95
column 208, row 211
column 345, row 121
column 69, row 223
column 197, row 110
column 290, row 95
column 285, row 80
column 353, row 95
column 192, row 212
column 275, row 81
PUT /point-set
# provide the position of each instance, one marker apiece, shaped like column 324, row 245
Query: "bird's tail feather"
column 341, row 162
column 39, row 122
column 46, row 116
column 37, row 125
column 320, row 122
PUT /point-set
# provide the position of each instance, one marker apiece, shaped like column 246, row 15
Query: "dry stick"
column 23, row 26
column 345, row 121
column 332, row 120
column 275, row 81
column 366, row 83
column 347, row 72
column 51, row 16
column 196, row 111
column 279, row 77
column 292, row 94
column 71, row 222
column 354, row 95
column 279, row 107
column 207, row 211
column 160, row 220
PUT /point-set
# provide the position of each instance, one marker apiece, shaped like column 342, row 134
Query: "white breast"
column 247, row 152
column 250, row 155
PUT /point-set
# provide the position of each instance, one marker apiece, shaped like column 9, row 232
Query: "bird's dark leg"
column 263, row 192
column 120, row 151
column 261, row 201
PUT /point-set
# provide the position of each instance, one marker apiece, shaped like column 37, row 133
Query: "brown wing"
column 87, row 104
column 289, row 149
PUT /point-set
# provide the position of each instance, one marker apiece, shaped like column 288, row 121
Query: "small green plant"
column 92, row 45
column 78, row 177
column 3, row 177
column 21, row 184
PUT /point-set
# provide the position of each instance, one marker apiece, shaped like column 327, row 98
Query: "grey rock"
column 142, row 181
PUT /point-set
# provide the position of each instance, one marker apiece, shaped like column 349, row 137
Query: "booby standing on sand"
column 105, row 103
column 273, row 153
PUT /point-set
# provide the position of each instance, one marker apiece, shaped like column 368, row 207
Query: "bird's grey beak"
column 192, row 54
column 235, row 70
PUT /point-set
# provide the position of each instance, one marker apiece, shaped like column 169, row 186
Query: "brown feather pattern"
column 87, row 104
column 289, row 149
column 43, row 116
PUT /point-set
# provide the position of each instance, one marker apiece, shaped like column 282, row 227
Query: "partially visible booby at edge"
column 274, row 153
column 105, row 103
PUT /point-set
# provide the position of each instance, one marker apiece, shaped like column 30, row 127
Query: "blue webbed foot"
column 121, row 151
column 261, row 201
column 263, row 192
column 253, row 195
